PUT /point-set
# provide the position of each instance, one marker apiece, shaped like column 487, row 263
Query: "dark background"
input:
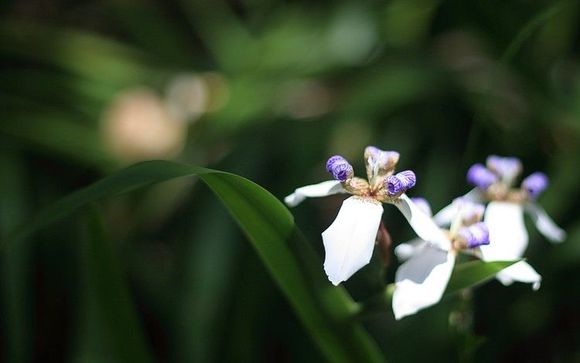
column 269, row 89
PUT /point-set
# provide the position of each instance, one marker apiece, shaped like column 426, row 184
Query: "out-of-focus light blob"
column 189, row 96
column 137, row 126
column 304, row 99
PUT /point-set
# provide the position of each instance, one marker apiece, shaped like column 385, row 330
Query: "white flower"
column 504, row 215
column 509, row 240
column 350, row 239
column 421, row 281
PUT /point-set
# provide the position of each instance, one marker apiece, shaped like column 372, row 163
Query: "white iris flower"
column 504, row 214
column 421, row 281
column 350, row 239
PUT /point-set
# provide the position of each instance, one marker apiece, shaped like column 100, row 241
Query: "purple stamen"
column 423, row 205
column 399, row 183
column 506, row 167
column 339, row 168
column 480, row 176
column 475, row 235
column 535, row 184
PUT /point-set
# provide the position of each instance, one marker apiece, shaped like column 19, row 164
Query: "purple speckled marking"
column 506, row 167
column 423, row 205
column 475, row 235
column 339, row 168
column 480, row 176
column 535, row 184
column 400, row 182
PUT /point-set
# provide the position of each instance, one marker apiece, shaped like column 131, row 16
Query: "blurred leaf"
column 152, row 29
column 229, row 43
column 57, row 133
column 325, row 311
column 407, row 21
column 213, row 247
column 386, row 88
column 89, row 55
column 474, row 273
column 16, row 262
column 112, row 318
column 534, row 24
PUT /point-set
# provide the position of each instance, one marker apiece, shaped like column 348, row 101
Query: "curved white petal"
column 545, row 224
column 521, row 272
column 446, row 215
column 315, row 190
column 350, row 239
column 421, row 281
column 408, row 249
column 423, row 225
column 507, row 232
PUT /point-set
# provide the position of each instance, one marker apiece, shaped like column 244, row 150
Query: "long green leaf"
column 115, row 322
column 16, row 280
column 474, row 273
column 324, row 310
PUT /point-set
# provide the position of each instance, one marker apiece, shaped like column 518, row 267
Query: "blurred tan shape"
column 302, row 99
column 189, row 96
column 137, row 126
column 218, row 90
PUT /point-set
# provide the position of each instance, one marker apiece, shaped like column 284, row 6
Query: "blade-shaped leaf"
column 324, row 310
column 473, row 273
column 109, row 299
column 16, row 281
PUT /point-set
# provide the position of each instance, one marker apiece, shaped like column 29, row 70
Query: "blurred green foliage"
column 278, row 87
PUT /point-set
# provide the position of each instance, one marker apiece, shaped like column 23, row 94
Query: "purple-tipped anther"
column 399, row 183
column 475, row 235
column 535, row 184
column 480, row 176
column 423, row 205
column 506, row 167
column 339, row 168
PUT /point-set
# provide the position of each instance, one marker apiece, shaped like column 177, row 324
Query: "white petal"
column 446, row 215
column 350, row 239
column 423, row 225
column 508, row 238
column 406, row 250
column 315, row 190
column 421, row 281
column 545, row 224
column 521, row 272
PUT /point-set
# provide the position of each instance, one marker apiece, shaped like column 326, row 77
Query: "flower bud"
column 399, row 183
column 535, row 184
column 339, row 168
column 480, row 176
column 474, row 235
